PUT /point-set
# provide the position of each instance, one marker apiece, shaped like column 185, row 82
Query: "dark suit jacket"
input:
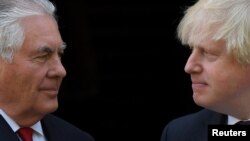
column 193, row 127
column 55, row 129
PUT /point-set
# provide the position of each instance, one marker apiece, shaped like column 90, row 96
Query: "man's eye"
column 41, row 59
column 210, row 56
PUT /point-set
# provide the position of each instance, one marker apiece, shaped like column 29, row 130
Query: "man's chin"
column 50, row 108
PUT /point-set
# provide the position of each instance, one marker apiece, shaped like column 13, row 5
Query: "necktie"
column 25, row 133
column 247, row 122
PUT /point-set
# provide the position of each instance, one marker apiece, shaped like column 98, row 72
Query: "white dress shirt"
column 232, row 120
column 38, row 134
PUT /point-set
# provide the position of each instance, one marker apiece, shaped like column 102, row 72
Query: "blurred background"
column 125, row 67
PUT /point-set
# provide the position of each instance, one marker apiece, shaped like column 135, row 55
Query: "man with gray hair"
column 31, row 73
column 218, row 33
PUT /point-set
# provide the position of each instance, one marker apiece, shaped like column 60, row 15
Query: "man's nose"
column 57, row 69
column 193, row 63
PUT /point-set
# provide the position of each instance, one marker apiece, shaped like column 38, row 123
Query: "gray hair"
column 11, row 32
column 226, row 20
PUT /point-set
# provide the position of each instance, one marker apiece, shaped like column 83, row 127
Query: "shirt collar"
column 37, row 127
column 232, row 120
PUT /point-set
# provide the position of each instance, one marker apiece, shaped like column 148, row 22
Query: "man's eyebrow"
column 50, row 50
column 45, row 49
column 63, row 46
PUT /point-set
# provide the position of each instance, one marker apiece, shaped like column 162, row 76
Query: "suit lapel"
column 47, row 131
column 211, row 119
column 50, row 130
column 216, row 118
column 6, row 133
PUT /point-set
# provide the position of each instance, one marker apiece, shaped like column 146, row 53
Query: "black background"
column 125, row 67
